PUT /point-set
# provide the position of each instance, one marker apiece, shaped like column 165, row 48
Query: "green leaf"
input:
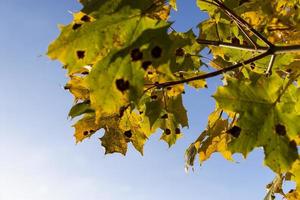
column 114, row 141
column 85, row 43
column 153, row 111
column 137, row 129
column 268, row 117
column 171, row 130
column 175, row 106
column 80, row 109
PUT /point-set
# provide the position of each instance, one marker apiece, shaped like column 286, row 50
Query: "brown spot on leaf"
column 293, row 144
column 252, row 66
column 235, row 40
column 128, row 134
column 80, row 54
column 85, row 18
column 168, row 131
column 154, row 97
column 122, row 85
column 180, row 52
column 136, row 54
column 146, row 64
column 291, row 191
column 67, row 87
column 235, row 131
column 122, row 110
column 85, row 133
column 245, row 43
column 76, row 26
column 156, row 52
column 85, row 73
column 165, row 116
column 177, row 131
column 280, row 129
column 92, row 131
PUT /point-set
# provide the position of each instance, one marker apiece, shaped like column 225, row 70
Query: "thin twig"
column 275, row 49
column 270, row 66
column 247, row 35
column 258, row 49
column 290, row 82
column 242, row 22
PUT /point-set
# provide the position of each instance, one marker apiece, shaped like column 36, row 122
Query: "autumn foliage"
column 128, row 69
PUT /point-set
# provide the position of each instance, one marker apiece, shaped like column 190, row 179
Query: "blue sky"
column 38, row 155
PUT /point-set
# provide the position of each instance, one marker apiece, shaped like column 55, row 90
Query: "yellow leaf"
column 85, row 128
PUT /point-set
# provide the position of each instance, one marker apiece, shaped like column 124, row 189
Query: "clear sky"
column 38, row 156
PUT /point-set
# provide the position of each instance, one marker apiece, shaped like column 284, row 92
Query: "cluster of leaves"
column 128, row 69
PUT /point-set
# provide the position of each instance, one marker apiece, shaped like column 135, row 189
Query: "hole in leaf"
column 168, row 131
column 146, row 64
column 80, row 54
column 252, row 66
column 122, row 85
column 128, row 133
column 179, row 52
column 235, row 131
column 280, row 129
column 136, row 54
column 177, row 131
column 85, row 18
column 150, row 72
column 156, row 52
column 85, row 133
column 76, row 26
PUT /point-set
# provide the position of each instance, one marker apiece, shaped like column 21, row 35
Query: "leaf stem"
column 270, row 66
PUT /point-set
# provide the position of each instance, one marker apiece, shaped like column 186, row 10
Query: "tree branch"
column 265, row 51
column 213, row 74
